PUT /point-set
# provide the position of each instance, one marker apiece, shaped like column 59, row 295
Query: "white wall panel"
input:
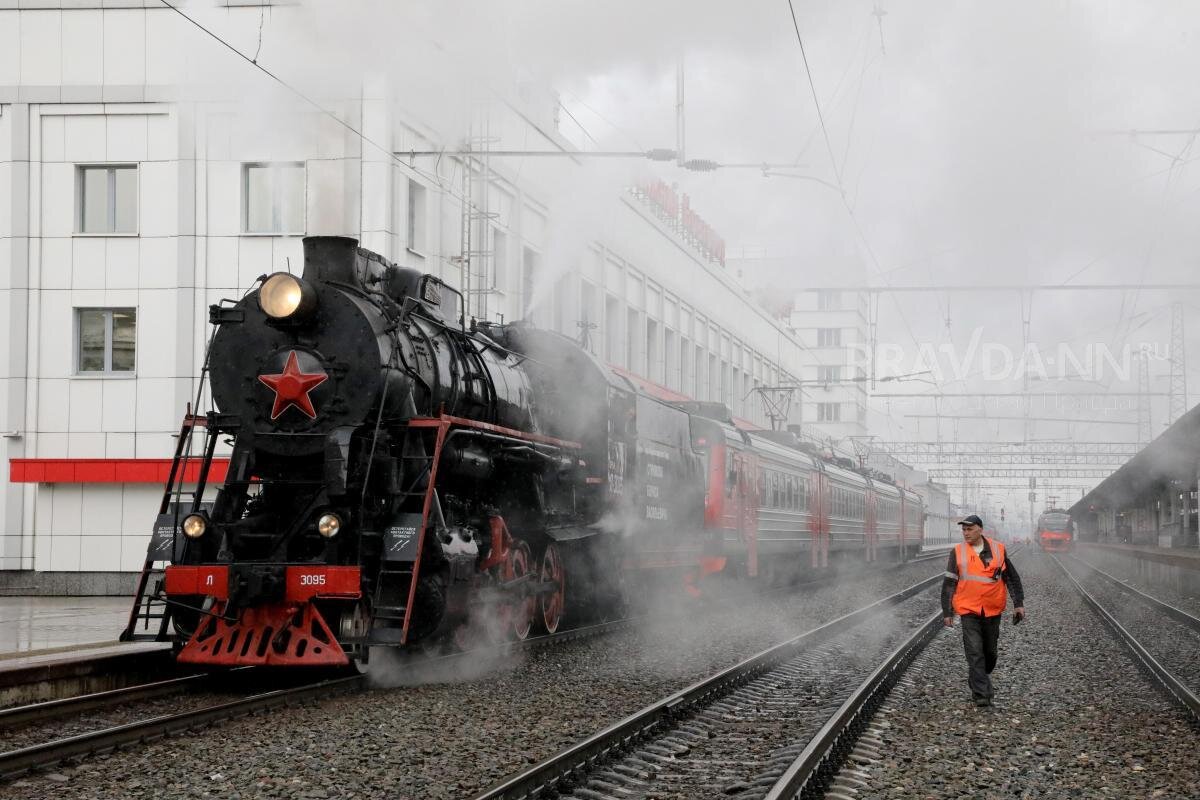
column 40, row 48
column 133, row 548
column 124, row 47
column 158, row 332
column 118, row 405
column 82, row 47
column 162, row 137
column 222, row 262
column 54, row 137
column 102, row 510
column 254, row 258
column 120, row 445
column 86, row 137
column 158, row 262
column 66, row 512
column 101, row 553
column 224, row 198
column 156, row 410
column 166, row 47
column 57, row 199
column 65, row 551
column 158, row 445
column 56, row 336
column 6, row 212
column 10, row 48
column 54, row 406
column 85, row 445
column 126, row 137
column 122, row 258
column 56, row 262
column 86, row 394
column 159, row 198
column 88, row 262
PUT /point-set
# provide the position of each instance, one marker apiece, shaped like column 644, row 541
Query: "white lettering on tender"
column 312, row 580
column 651, row 490
column 656, row 512
column 654, row 470
column 208, row 581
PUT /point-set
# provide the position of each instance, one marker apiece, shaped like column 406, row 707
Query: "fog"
column 963, row 144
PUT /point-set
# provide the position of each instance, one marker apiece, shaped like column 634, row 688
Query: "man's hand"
column 949, row 621
column 1018, row 614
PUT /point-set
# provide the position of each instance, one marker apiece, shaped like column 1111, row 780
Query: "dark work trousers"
column 981, row 636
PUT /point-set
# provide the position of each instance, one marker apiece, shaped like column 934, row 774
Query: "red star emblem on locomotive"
column 292, row 386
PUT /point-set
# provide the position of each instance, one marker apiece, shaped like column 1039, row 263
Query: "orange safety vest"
column 980, row 589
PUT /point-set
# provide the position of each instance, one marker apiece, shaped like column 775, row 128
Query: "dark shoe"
column 982, row 702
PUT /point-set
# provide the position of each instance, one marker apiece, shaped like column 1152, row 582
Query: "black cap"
column 971, row 520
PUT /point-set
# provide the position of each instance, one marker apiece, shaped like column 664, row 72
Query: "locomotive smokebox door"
column 401, row 537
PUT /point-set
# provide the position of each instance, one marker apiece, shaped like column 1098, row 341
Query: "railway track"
column 1177, row 644
column 17, row 762
column 41, row 754
column 775, row 725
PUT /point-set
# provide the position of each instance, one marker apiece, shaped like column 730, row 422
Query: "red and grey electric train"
column 1055, row 530
column 394, row 471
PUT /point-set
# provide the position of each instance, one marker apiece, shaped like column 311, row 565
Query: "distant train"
column 400, row 476
column 1055, row 530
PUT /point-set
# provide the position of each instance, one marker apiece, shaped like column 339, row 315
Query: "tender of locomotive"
column 396, row 477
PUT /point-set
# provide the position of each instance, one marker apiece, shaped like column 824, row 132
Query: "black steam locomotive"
column 398, row 476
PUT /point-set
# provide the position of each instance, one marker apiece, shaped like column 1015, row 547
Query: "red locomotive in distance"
column 1055, row 530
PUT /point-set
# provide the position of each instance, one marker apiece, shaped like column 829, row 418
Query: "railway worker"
column 979, row 577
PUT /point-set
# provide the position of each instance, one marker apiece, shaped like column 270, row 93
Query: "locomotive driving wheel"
column 554, row 601
column 521, row 611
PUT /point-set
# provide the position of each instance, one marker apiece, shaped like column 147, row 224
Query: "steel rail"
column 1174, row 612
column 1173, row 685
column 52, row 709
column 558, row 770
column 17, row 762
column 817, row 764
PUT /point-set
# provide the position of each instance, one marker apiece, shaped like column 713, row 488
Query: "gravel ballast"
column 458, row 734
column 1074, row 717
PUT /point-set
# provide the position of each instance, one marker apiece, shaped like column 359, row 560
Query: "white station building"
column 128, row 206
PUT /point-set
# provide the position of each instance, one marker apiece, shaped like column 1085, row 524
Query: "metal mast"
column 1144, row 433
column 1177, row 402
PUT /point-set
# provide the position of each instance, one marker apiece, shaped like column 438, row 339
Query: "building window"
column 105, row 340
column 416, row 217
column 829, row 337
column 108, row 199
column 829, row 374
column 829, row 412
column 273, row 198
column 829, row 300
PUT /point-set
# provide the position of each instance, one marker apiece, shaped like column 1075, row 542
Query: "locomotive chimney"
column 330, row 258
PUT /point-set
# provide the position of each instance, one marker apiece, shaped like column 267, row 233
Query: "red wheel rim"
column 523, row 610
column 553, row 601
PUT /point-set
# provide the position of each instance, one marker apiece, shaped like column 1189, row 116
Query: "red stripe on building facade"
column 107, row 470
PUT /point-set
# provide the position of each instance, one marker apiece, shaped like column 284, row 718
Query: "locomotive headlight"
column 329, row 525
column 194, row 526
column 286, row 297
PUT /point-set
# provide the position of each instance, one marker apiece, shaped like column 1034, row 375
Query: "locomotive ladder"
column 150, row 607
column 397, row 586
